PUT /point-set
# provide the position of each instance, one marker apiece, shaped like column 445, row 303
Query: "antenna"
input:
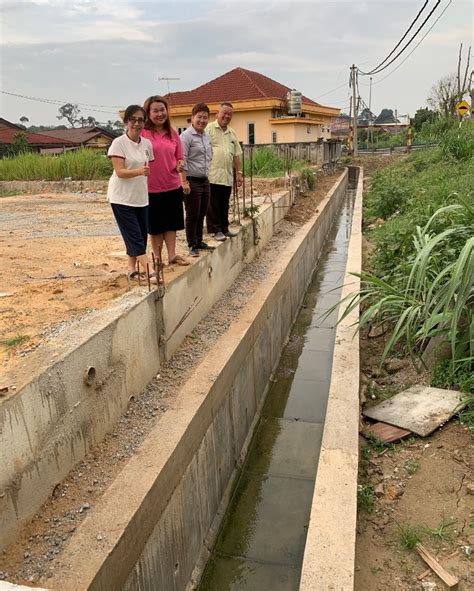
column 167, row 78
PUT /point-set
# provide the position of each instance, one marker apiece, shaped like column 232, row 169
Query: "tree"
column 421, row 116
column 69, row 112
column 24, row 119
column 87, row 121
column 445, row 95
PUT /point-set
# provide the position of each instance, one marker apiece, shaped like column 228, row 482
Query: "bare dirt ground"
column 425, row 484
column 36, row 553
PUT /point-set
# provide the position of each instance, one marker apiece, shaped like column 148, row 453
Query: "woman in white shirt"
column 128, row 188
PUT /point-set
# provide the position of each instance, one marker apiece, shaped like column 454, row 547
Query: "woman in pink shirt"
column 165, row 191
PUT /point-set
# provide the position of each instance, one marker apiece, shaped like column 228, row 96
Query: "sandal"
column 179, row 260
column 135, row 276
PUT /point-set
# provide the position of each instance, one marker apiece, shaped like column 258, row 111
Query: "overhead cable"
column 379, row 69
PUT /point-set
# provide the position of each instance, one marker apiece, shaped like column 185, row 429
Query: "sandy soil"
column 37, row 551
column 62, row 257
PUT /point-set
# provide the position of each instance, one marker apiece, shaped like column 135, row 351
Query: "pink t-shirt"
column 163, row 173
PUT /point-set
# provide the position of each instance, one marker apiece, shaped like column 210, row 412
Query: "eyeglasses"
column 140, row 120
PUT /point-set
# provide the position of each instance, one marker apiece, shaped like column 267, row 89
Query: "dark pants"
column 196, row 207
column 133, row 225
column 218, row 211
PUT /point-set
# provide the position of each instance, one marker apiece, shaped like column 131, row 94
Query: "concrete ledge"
column 54, row 418
column 328, row 563
column 158, row 518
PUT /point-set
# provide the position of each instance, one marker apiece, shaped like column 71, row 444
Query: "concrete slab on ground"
column 420, row 409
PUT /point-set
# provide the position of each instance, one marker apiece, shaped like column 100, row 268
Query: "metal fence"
column 316, row 153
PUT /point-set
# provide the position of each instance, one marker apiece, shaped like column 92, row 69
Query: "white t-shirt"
column 133, row 191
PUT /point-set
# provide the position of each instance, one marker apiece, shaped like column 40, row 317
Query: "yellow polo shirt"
column 225, row 145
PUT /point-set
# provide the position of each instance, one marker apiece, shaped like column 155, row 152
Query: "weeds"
column 77, row 165
column 444, row 531
column 412, row 466
column 377, row 444
column 252, row 213
column 409, row 535
column 366, row 497
column 15, row 341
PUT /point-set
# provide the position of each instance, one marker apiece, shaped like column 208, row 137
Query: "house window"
column 274, row 137
column 308, row 129
column 251, row 133
column 181, row 129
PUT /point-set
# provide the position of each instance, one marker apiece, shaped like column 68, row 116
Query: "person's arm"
column 128, row 173
column 238, row 171
column 182, row 167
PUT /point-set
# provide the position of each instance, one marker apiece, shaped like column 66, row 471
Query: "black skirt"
column 165, row 212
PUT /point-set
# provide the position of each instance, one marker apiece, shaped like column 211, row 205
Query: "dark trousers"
column 133, row 225
column 196, row 204
column 217, row 218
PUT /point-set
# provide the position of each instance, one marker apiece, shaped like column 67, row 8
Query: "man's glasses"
column 140, row 120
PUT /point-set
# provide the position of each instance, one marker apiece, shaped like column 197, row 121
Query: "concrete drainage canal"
column 262, row 539
column 246, row 479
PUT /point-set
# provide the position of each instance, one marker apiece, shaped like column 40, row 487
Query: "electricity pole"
column 354, row 105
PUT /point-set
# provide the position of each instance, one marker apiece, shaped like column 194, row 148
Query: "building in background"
column 10, row 134
column 95, row 138
column 265, row 111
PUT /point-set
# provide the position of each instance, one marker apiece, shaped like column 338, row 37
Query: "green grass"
column 15, row 341
column 443, row 532
column 412, row 467
column 409, row 535
column 81, row 164
column 366, row 497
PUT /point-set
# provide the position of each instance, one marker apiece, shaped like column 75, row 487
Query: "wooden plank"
column 420, row 409
column 386, row 433
column 424, row 574
column 450, row 580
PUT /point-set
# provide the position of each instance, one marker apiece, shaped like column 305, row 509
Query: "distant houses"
column 55, row 141
column 265, row 111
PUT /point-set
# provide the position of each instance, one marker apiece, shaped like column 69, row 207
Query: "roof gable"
column 8, row 136
column 237, row 85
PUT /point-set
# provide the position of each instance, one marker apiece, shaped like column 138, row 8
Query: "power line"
column 406, row 33
column 417, row 45
column 378, row 70
column 329, row 91
column 59, row 102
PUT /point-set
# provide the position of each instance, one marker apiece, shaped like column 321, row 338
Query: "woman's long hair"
column 147, row 106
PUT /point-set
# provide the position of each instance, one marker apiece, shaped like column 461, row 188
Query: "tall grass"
column 83, row 164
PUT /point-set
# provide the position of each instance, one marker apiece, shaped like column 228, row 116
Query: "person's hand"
column 143, row 170
column 240, row 178
column 186, row 188
column 180, row 165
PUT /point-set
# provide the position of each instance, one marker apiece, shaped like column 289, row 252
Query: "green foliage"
column 265, row 163
column 422, row 116
column 458, row 375
column 412, row 466
column 409, row 535
column 309, row 177
column 366, row 497
column 443, row 532
column 459, row 143
column 15, row 341
column 83, row 164
column 421, row 279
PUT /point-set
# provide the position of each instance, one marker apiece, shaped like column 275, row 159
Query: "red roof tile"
column 237, row 85
column 7, row 136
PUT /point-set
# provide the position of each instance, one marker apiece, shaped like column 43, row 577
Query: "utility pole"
column 370, row 130
column 354, row 106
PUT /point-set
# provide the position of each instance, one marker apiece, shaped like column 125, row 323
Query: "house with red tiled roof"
column 94, row 137
column 37, row 142
column 265, row 111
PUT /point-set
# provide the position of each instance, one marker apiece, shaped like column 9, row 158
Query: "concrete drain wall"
column 153, row 527
column 86, row 378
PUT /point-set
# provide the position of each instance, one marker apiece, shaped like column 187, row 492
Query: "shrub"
column 459, row 143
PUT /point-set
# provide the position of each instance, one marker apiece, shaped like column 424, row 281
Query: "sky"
column 112, row 53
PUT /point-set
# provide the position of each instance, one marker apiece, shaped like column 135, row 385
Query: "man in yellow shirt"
column 226, row 158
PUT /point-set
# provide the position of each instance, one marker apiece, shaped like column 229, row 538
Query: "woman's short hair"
column 200, row 107
column 147, row 106
column 130, row 110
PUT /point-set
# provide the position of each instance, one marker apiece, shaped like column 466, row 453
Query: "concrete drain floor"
column 262, row 538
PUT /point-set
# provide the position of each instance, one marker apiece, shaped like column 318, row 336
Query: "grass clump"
column 366, row 497
column 412, row 467
column 15, row 341
column 443, row 532
column 82, row 164
column 409, row 535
